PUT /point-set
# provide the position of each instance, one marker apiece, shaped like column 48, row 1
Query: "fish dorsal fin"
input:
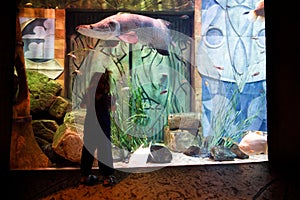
column 129, row 37
column 123, row 13
column 165, row 22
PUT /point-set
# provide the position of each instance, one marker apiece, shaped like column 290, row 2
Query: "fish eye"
column 91, row 27
column 112, row 25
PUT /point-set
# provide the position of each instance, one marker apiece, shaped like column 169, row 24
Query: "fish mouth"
column 105, row 31
column 79, row 27
column 90, row 31
column 91, row 27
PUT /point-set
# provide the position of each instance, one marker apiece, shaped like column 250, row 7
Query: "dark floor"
column 236, row 181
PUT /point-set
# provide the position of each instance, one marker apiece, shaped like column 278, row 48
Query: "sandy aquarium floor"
column 180, row 159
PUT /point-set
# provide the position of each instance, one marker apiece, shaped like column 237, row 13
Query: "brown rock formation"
column 25, row 152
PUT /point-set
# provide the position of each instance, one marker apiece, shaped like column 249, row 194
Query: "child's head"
column 104, row 82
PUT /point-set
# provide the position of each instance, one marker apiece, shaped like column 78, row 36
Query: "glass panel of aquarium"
column 189, row 79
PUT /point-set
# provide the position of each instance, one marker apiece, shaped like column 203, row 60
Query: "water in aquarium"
column 188, row 79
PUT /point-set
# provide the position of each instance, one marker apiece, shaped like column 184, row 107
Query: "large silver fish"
column 131, row 28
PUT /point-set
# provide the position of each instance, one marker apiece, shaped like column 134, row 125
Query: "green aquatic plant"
column 130, row 117
column 227, row 125
column 145, row 5
column 127, row 131
column 144, row 98
column 121, row 139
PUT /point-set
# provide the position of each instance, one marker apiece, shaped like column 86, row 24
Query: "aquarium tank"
column 189, row 77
